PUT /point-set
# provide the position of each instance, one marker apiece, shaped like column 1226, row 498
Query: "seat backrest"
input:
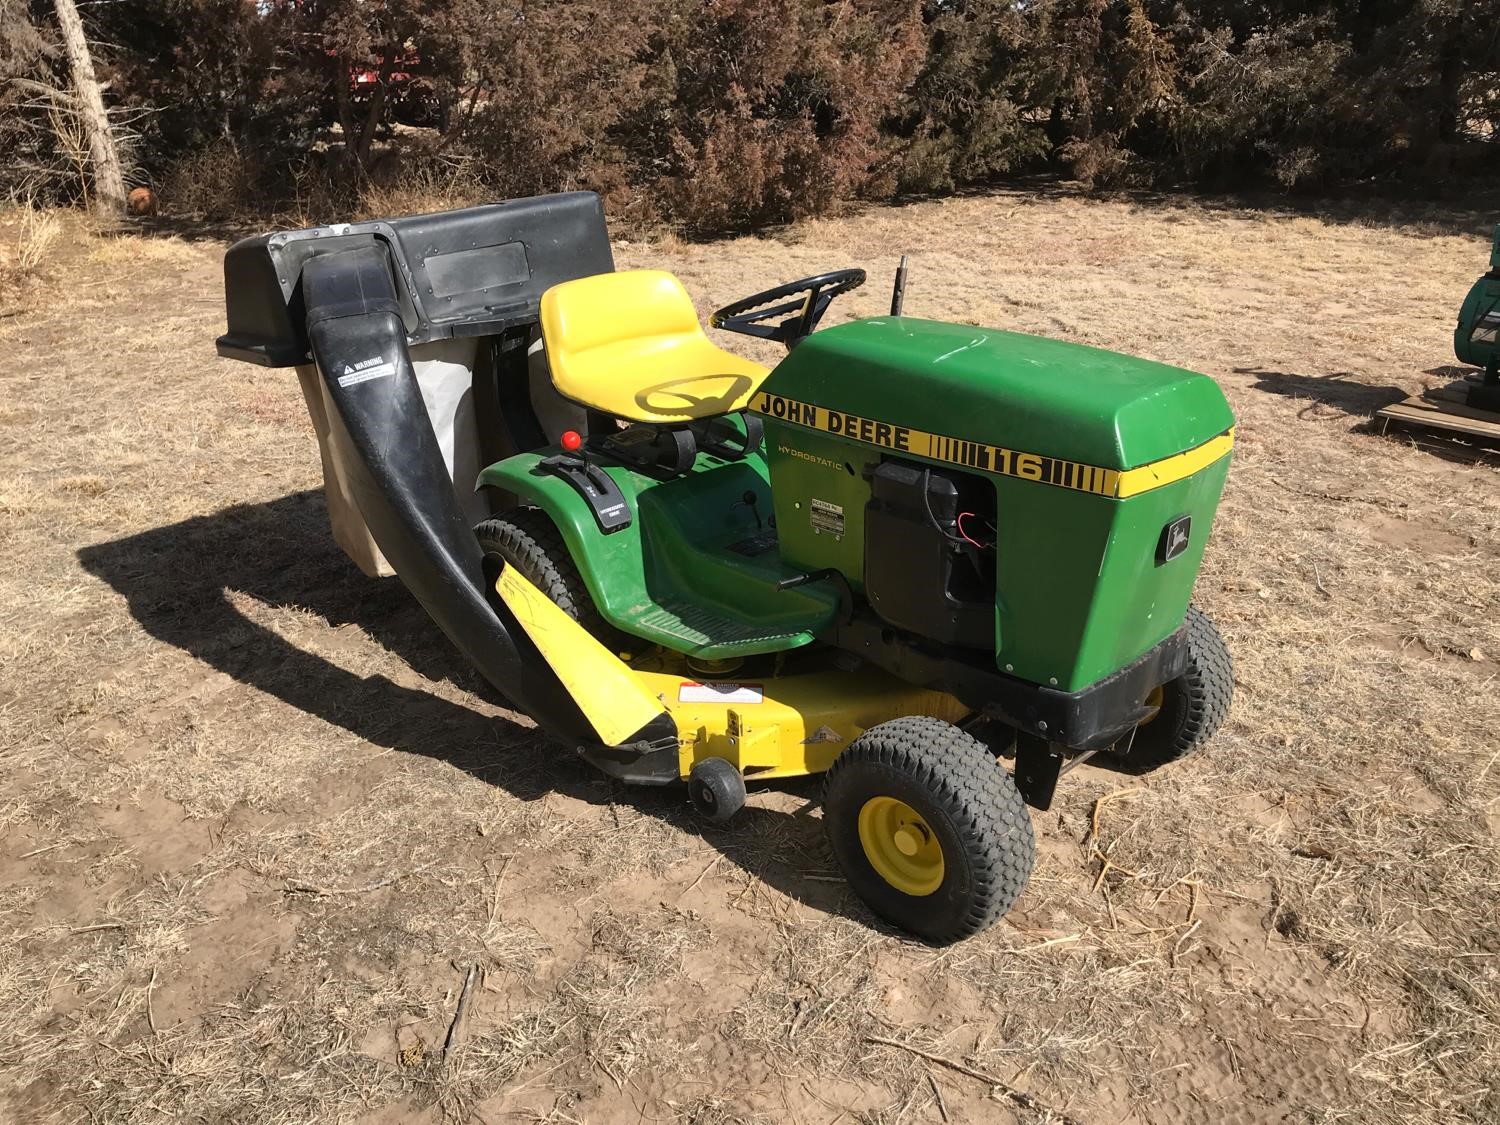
column 629, row 344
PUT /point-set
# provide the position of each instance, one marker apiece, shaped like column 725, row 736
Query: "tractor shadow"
column 1338, row 391
column 182, row 581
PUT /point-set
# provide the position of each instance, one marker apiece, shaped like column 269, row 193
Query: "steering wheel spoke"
column 775, row 310
column 812, row 295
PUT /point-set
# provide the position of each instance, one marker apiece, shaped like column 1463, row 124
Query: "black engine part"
column 924, row 572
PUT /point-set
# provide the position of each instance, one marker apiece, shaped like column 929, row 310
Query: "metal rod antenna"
column 898, row 293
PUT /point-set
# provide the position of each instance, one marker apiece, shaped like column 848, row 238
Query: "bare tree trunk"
column 376, row 109
column 109, row 183
column 359, row 139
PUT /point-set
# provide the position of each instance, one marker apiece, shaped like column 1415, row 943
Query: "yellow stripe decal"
column 1170, row 469
column 606, row 691
column 1055, row 471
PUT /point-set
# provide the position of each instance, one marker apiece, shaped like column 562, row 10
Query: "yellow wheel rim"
column 900, row 846
column 1153, row 702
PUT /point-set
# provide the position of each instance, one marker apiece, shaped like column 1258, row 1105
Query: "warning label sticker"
column 827, row 516
column 690, row 691
column 365, row 370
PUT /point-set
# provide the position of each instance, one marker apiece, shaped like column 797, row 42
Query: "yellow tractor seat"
column 629, row 344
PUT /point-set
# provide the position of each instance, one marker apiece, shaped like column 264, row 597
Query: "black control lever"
column 804, row 579
column 597, row 488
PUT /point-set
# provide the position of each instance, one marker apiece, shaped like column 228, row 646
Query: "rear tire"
column 1193, row 706
column 928, row 828
column 527, row 539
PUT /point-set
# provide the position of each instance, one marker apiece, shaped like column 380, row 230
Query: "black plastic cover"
column 598, row 489
column 1089, row 719
column 470, row 272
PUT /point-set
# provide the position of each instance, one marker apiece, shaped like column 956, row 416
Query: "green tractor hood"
column 1026, row 393
column 1107, row 471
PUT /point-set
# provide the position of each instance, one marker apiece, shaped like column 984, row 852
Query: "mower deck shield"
column 617, row 704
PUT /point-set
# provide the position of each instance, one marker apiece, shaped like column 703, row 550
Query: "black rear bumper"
column 1089, row 719
column 1093, row 718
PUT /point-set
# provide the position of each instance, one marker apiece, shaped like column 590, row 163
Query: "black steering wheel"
column 810, row 300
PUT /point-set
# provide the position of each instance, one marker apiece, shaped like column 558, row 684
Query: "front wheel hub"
column 900, row 846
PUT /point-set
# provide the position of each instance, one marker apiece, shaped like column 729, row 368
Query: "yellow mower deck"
column 777, row 726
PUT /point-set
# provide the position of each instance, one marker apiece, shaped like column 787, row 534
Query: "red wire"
column 965, row 535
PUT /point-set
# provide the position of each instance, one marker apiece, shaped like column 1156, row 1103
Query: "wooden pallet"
column 1443, row 408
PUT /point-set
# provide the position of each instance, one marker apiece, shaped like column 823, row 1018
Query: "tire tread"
column 974, row 790
column 527, row 539
column 1208, row 685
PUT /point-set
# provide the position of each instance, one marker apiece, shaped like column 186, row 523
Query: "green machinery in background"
column 1467, row 407
column 1476, row 340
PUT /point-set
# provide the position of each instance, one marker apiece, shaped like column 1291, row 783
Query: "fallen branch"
column 938, row 1094
column 1045, row 944
column 293, row 888
column 48, row 848
column 1339, row 498
column 1176, row 949
column 1017, row 1097
column 495, row 898
column 455, row 1029
column 150, row 1014
column 1318, row 582
column 701, row 875
column 1106, row 799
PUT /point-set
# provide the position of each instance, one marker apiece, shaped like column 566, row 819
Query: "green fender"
column 613, row 566
column 1483, row 298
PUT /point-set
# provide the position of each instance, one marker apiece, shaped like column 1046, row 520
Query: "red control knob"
column 571, row 441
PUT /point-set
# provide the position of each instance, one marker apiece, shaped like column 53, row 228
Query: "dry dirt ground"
column 258, row 822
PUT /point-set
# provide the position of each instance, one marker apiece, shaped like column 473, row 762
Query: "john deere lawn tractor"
column 941, row 564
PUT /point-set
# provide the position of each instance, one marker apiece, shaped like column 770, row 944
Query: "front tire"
column 928, row 828
column 1190, row 709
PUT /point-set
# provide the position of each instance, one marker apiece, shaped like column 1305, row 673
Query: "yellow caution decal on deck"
column 605, row 689
column 997, row 459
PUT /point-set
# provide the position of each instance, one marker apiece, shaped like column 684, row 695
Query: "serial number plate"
column 826, row 516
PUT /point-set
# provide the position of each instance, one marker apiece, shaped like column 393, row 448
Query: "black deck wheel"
column 928, row 828
column 1189, row 709
column 527, row 539
column 716, row 789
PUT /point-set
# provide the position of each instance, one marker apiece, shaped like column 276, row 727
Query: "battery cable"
column 967, row 538
column 962, row 536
